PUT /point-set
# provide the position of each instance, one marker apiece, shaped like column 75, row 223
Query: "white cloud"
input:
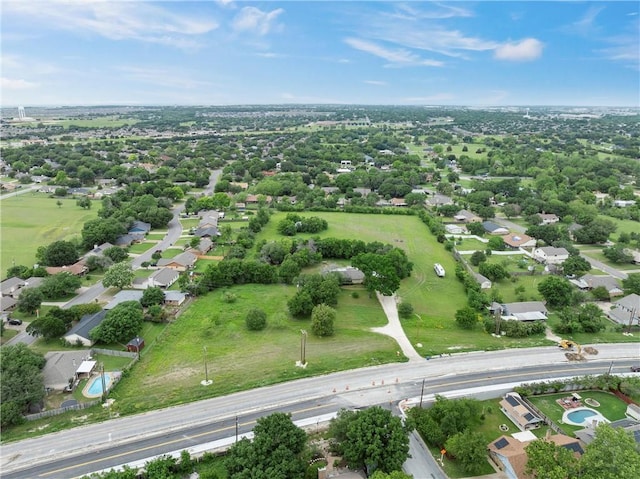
column 407, row 11
column 141, row 21
column 397, row 57
column 16, row 84
column 252, row 19
column 586, row 25
column 271, row 55
column 523, row 50
column 164, row 77
column 376, row 82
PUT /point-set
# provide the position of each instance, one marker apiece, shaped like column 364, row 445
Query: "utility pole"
column 303, row 347
column 206, row 381
column 104, row 385
column 422, row 393
column 236, row 428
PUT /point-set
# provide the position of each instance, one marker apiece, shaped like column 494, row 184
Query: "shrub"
column 405, row 310
column 256, row 320
column 355, row 295
column 322, row 319
column 229, row 297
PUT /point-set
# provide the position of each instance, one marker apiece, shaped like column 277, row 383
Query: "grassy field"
column 238, row 359
column 139, row 248
column 28, row 222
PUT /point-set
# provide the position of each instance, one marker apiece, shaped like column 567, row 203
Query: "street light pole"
column 206, row 381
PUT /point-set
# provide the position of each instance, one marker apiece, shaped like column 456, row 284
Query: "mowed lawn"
column 237, row 359
column 29, row 221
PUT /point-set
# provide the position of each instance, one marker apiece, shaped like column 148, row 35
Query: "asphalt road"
column 88, row 448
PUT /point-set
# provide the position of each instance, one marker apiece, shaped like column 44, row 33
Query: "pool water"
column 96, row 385
column 580, row 415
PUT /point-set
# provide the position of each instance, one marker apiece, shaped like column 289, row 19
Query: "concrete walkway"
column 394, row 328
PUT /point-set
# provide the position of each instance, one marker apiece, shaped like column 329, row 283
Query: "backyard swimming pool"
column 95, row 387
column 582, row 416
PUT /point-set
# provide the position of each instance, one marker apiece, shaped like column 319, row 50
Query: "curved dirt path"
column 394, row 328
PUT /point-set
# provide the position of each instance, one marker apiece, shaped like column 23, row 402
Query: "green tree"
column 466, row 318
column 379, row 271
column 617, row 254
column 546, row 460
column 476, row 229
column 120, row 324
column 84, row 203
column 289, row 270
column 60, row 285
column 60, row 253
column 256, row 319
column 376, row 440
column 613, row 454
column 405, row 310
column 322, row 320
column 116, row 254
column 575, row 265
column 301, row 304
column 391, row 475
column 120, row 275
column 30, row 300
column 496, row 243
column 275, row 453
column 556, row 291
column 478, row 257
column 493, row 271
column 469, row 449
column 22, row 382
column 151, row 296
column 101, row 230
column 631, row 284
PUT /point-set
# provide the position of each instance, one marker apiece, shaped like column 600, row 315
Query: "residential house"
column 181, row 262
column 77, row 269
column 79, row 334
column 550, row 255
column 12, row 287
column 635, row 255
column 163, row 278
column 520, row 413
column 208, row 218
column 548, row 218
column 204, row 246
column 455, row 229
column 174, row 298
column 241, row 206
column 626, row 310
column 623, row 203
column 494, row 228
column 398, row 202
column 519, row 240
column 465, row 216
column 383, row 203
column 61, row 368
column 123, row 296
column 207, row 232
column 98, row 250
column 520, row 311
column 139, row 227
column 438, row 200
column 7, row 303
column 590, row 281
column 348, row 274
column 129, row 239
column 509, row 453
column 588, row 434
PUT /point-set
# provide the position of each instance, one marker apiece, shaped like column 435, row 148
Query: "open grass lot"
column 610, row 407
column 155, row 236
column 171, row 370
column 623, row 226
column 29, row 221
column 470, row 244
column 610, row 334
column 140, row 248
column 102, row 122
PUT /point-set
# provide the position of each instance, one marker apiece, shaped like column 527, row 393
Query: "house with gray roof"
column 626, row 310
column 494, row 228
column 181, row 262
column 520, row 311
column 207, row 232
column 163, row 278
column 174, row 298
column 12, row 287
column 348, row 274
column 550, row 255
column 124, row 296
column 139, row 227
column 61, row 367
column 591, row 281
column 465, row 216
column 80, row 332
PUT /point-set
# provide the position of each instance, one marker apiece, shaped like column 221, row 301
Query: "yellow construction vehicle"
column 569, row 345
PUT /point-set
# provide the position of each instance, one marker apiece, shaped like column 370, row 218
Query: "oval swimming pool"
column 95, row 388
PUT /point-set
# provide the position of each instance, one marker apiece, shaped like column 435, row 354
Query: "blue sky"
column 87, row 52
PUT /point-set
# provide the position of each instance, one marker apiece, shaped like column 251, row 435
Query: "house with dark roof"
column 163, row 278
column 588, row 434
column 494, row 228
column 124, row 296
column 207, row 232
column 139, row 227
column 80, row 332
column 98, row 250
column 129, row 239
column 626, row 310
column 135, row 345
column 348, row 274
column 204, row 246
column 520, row 413
column 7, row 303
